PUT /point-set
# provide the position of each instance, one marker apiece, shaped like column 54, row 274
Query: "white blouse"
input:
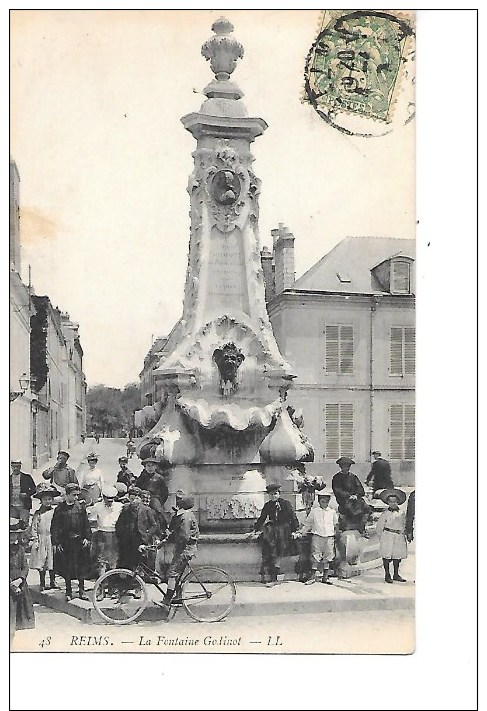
column 92, row 476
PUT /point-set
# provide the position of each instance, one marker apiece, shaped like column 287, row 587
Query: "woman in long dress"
column 91, row 480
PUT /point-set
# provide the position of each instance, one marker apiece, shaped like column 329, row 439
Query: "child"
column 184, row 532
column 278, row 522
column 125, row 475
column 42, row 557
column 391, row 531
column 21, row 608
column 105, row 544
column 322, row 523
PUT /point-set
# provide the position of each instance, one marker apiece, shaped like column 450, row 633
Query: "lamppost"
column 24, row 382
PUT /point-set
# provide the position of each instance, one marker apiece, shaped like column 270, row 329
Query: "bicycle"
column 205, row 592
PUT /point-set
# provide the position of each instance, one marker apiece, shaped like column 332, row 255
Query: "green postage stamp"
column 359, row 72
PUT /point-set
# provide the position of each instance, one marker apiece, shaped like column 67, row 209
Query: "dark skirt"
column 128, row 552
column 303, row 564
column 277, row 541
column 74, row 561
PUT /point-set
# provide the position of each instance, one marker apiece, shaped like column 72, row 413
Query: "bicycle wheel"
column 208, row 594
column 119, row 596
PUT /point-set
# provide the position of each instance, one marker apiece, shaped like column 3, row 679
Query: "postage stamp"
column 359, row 71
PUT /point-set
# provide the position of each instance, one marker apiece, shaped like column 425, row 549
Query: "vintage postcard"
column 212, row 322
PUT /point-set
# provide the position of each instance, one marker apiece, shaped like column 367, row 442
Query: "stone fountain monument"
column 224, row 430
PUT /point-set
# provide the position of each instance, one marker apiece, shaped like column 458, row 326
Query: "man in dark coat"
column 150, row 479
column 137, row 525
column 125, row 475
column 380, row 475
column 277, row 521
column 349, row 494
column 71, row 535
column 410, row 514
column 60, row 474
column 22, row 488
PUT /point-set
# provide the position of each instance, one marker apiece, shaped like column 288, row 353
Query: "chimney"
column 14, row 244
column 267, row 261
column 283, row 242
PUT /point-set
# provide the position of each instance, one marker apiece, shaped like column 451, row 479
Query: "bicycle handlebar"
column 153, row 546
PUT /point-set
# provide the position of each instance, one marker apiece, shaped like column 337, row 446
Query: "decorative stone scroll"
column 241, row 506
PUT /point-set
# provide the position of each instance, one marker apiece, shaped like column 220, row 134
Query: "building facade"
column 147, row 380
column 150, row 395
column 49, row 381
column 20, row 310
column 348, row 328
column 49, row 412
column 75, row 392
column 20, row 401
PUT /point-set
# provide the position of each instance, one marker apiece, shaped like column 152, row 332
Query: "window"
column 402, row 350
column 401, row 431
column 338, row 430
column 400, row 281
column 344, row 277
column 339, row 349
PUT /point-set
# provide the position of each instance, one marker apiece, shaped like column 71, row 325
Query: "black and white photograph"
column 212, row 308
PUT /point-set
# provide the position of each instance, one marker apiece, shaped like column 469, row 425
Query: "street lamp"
column 24, row 382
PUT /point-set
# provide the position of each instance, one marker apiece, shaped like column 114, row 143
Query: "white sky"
column 104, row 208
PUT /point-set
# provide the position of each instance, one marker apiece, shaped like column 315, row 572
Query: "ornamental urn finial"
column 222, row 50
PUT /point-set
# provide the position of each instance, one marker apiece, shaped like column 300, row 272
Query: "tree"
column 105, row 409
column 130, row 402
column 111, row 410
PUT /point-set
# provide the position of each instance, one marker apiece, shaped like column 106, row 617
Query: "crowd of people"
column 85, row 526
column 315, row 540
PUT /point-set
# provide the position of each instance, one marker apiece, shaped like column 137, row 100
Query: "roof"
column 347, row 267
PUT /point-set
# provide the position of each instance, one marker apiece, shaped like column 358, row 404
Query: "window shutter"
column 409, row 350
column 402, row 431
column 338, row 349
column 346, row 350
column 409, row 427
column 331, row 349
column 400, row 277
column 346, row 430
column 396, row 431
column 396, row 350
column 332, row 433
column 338, row 430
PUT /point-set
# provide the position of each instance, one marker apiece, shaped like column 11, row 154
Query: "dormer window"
column 400, row 277
column 394, row 275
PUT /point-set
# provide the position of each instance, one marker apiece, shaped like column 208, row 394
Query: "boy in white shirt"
column 322, row 523
column 105, row 544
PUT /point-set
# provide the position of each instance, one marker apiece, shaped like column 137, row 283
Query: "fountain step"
column 363, row 593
